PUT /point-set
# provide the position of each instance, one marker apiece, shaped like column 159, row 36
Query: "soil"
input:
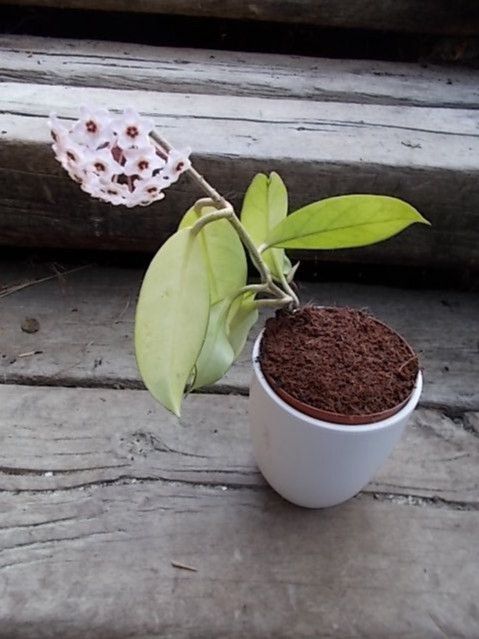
column 339, row 360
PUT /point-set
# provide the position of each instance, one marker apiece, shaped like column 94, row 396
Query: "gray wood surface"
column 97, row 564
column 424, row 155
column 427, row 16
column 118, row 521
column 120, row 65
column 86, row 324
column 58, row 438
column 101, row 491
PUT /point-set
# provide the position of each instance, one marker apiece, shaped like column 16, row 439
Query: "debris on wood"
column 30, row 325
column 29, row 354
column 181, row 566
column 8, row 290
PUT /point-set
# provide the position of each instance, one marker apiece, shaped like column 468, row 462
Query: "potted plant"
column 332, row 388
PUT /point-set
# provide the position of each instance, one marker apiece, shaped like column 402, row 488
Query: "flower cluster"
column 115, row 159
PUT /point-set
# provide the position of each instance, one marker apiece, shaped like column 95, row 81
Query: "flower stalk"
column 281, row 296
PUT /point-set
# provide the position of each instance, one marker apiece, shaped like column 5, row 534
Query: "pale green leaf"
column 224, row 254
column 172, row 317
column 265, row 205
column 292, row 272
column 344, row 222
column 241, row 318
column 217, row 354
column 229, row 325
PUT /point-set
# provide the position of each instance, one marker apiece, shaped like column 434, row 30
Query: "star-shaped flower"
column 132, row 130
column 114, row 159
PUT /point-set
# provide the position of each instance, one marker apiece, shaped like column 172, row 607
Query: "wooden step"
column 86, row 331
column 436, row 459
column 331, row 140
column 116, row 520
column 119, row 65
column 428, row 16
column 255, row 566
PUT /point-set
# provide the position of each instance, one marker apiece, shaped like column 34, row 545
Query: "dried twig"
column 18, row 287
column 29, row 354
column 123, row 311
column 408, row 361
column 177, row 564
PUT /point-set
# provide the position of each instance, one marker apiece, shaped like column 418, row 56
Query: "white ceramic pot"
column 314, row 463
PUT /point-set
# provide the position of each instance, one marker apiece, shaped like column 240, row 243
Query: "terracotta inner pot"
column 301, row 351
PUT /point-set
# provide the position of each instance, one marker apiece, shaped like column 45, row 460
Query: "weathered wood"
column 54, row 438
column 115, row 65
column 98, row 563
column 86, row 325
column 427, row 16
column 321, row 148
column 471, row 420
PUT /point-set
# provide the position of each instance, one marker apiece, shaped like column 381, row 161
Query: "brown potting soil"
column 338, row 359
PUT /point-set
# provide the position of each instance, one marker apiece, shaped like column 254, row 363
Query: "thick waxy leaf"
column 344, row 222
column 242, row 317
column 172, row 317
column 224, row 254
column 265, row 205
column 229, row 325
column 217, row 354
column 225, row 261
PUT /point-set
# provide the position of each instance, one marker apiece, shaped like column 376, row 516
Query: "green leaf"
column 344, row 222
column 229, row 325
column 171, row 317
column 223, row 252
column 217, row 354
column 241, row 318
column 265, row 205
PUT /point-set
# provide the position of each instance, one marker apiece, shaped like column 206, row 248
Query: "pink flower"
column 132, row 130
column 142, row 161
column 93, row 129
column 114, row 159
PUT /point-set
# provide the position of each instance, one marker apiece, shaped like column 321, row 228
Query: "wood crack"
column 452, row 411
column 396, row 497
column 40, row 472
column 33, row 544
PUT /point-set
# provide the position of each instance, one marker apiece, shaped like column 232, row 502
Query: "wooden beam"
column 104, row 496
column 59, row 439
column 428, row 16
column 120, row 65
column 100, row 563
column 321, row 148
column 86, row 331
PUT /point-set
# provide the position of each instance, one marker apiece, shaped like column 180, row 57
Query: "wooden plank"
column 471, row 421
column 86, row 325
column 428, row 16
column 116, row 65
column 322, row 148
column 57, row 438
column 98, row 563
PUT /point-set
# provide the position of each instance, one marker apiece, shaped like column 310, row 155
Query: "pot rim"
column 313, row 421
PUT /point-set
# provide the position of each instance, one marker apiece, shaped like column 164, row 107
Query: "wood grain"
column 428, row 16
column 98, row 563
column 86, row 325
column 116, row 65
column 321, row 148
column 56, row 439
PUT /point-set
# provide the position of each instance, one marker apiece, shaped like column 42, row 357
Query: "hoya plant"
column 196, row 306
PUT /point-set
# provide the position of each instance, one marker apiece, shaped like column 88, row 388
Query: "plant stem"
column 289, row 290
column 285, row 296
column 221, row 214
column 276, row 303
column 192, row 172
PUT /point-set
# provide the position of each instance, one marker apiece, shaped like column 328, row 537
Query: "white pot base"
column 312, row 463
